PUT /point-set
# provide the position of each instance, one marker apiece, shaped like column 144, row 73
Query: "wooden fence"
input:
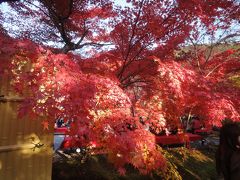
column 25, row 148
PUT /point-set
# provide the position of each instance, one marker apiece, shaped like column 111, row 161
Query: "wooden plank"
column 10, row 99
column 4, row 128
column 16, row 147
column 18, row 161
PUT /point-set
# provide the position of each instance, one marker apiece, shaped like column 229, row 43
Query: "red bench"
column 203, row 131
column 177, row 139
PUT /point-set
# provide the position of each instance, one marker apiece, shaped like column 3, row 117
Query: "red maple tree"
column 106, row 91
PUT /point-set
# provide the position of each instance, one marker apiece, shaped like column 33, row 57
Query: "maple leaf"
column 122, row 171
column 45, row 125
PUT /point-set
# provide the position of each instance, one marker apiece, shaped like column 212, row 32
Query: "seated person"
column 172, row 130
column 194, row 125
column 60, row 122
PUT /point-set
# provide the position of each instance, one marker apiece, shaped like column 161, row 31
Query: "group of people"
column 228, row 152
column 192, row 123
column 61, row 123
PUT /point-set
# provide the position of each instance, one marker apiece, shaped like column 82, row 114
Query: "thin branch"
column 131, row 38
column 216, row 68
column 135, row 81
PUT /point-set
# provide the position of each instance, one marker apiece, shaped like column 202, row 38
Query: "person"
column 196, row 124
column 228, row 152
column 144, row 123
column 60, row 122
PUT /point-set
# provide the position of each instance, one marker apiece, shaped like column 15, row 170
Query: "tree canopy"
column 106, row 67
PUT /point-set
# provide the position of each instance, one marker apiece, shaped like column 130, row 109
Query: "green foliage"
column 189, row 164
column 172, row 170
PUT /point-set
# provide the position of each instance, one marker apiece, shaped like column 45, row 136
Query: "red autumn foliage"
column 106, row 92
